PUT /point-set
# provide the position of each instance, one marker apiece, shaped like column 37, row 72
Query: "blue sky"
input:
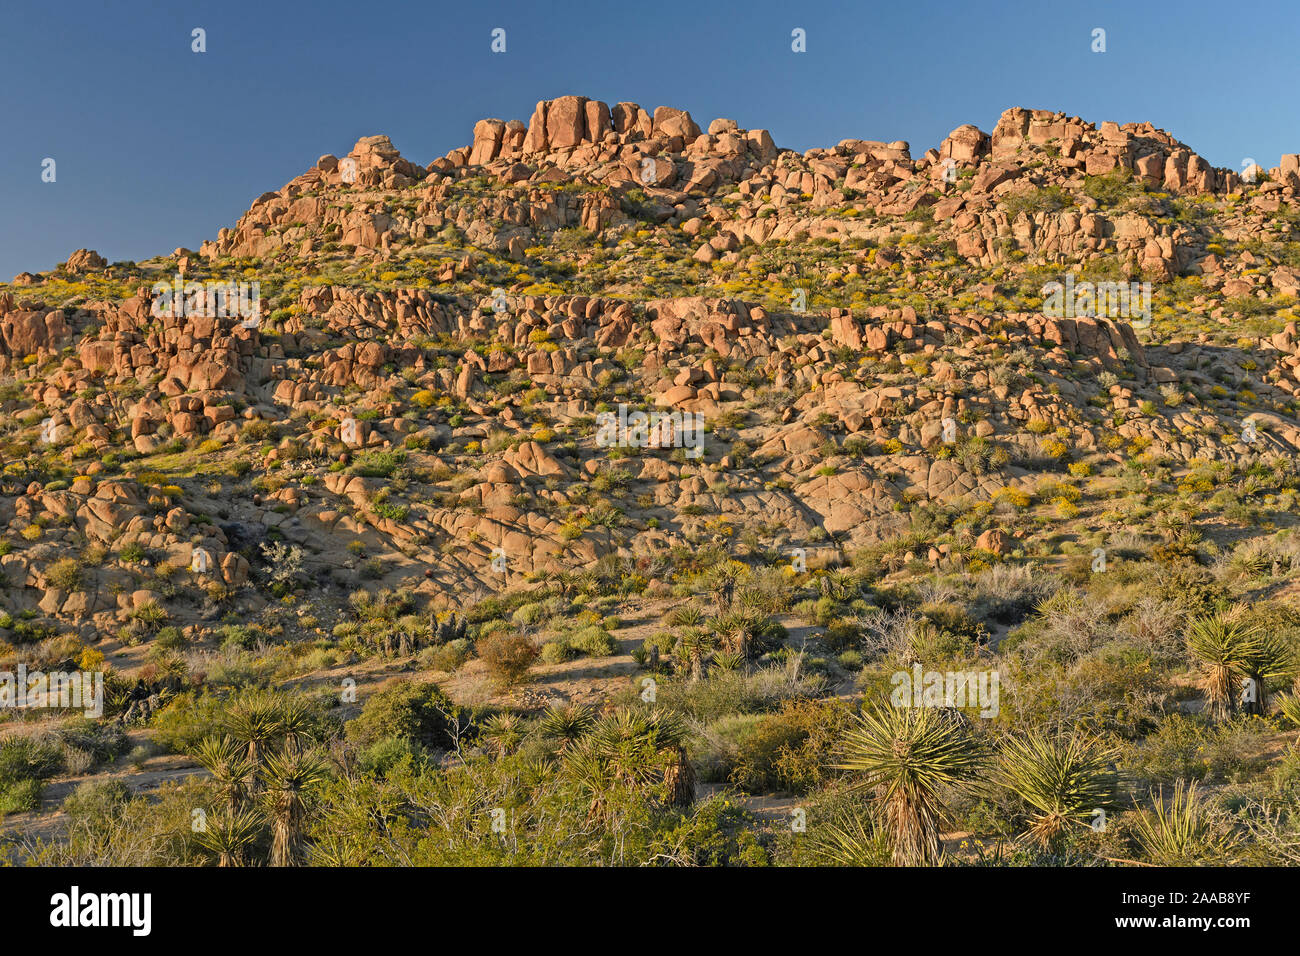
column 158, row 147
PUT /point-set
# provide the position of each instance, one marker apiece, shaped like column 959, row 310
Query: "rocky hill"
column 462, row 324
column 398, row 379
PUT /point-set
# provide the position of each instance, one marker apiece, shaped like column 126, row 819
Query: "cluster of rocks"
column 30, row 329
column 144, row 698
column 690, row 180
column 107, row 512
column 339, row 340
column 343, row 366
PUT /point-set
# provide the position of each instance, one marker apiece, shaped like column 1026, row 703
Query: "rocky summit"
column 604, row 398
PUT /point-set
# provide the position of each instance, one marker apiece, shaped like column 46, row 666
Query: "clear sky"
column 157, row 146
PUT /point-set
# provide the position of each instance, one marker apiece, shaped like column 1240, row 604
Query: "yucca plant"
column 587, row 768
column 679, row 777
column 1271, row 658
column 228, row 836
column 838, row 584
column 1062, row 779
column 254, row 721
column 723, row 581
column 565, row 583
column 849, row 839
column 292, row 778
column 503, row 733
column 535, row 772
column 566, row 722
column 294, row 722
column 232, row 772
column 633, row 749
column 1184, row 833
column 727, row 660
column 909, row 756
column 332, row 850
column 693, row 647
column 1221, row 646
column 1288, row 706
column 688, row 615
column 740, row 632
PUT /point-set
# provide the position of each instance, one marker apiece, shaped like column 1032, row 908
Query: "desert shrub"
column 1117, row 688
column 102, row 741
column 735, row 692
column 1044, row 199
column 841, row 634
column 24, row 763
column 106, row 822
column 1190, row 747
column 95, row 800
column 65, row 575
column 558, row 651
column 820, row 611
column 791, row 750
column 257, row 430
column 169, row 638
column 20, row 796
column 378, row 464
column 528, row 614
column 594, row 641
column 1110, row 189
column 185, row 720
column 382, row 755
column 508, row 657
column 418, row 712
column 28, row 758
column 1187, row 586
column 449, row 656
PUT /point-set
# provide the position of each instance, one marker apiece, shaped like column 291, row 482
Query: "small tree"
column 291, row 779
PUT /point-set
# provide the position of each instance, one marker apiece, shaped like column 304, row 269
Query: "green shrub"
column 65, row 575
column 527, row 614
column 449, row 656
column 103, row 741
column 1190, row 747
column 95, row 801
column 594, row 641
column 27, row 758
column 422, row 713
column 383, row 755
column 1110, row 189
column 20, row 797
column 378, row 464
column 558, row 651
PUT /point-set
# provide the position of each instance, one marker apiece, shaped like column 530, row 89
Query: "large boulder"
column 84, row 260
